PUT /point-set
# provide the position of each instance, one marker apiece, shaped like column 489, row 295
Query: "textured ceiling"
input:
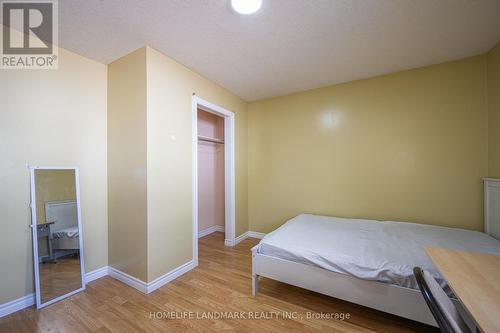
column 289, row 45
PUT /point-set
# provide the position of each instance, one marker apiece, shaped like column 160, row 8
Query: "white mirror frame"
column 33, row 225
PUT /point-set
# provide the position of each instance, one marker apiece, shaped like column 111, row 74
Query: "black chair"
column 442, row 308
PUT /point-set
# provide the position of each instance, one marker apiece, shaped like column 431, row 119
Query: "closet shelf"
column 208, row 139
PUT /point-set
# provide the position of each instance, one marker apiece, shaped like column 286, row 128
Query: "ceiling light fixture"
column 246, row 6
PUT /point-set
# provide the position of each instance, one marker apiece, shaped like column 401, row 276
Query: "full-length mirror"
column 57, row 233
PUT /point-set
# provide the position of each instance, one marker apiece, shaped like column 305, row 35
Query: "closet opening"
column 211, row 212
column 213, row 173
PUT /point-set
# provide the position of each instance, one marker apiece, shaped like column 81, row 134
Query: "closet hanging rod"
column 207, row 139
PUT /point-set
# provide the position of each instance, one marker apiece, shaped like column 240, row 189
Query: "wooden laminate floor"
column 219, row 286
column 59, row 278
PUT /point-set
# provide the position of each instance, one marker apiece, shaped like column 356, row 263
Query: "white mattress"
column 371, row 250
column 71, row 232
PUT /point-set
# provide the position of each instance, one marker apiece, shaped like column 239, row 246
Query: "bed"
column 66, row 239
column 362, row 261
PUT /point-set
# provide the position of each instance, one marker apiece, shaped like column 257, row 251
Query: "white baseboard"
column 230, row 242
column 96, row 274
column 17, row 304
column 209, row 230
column 128, row 280
column 242, row 237
column 255, row 234
column 145, row 287
column 29, row 300
column 173, row 274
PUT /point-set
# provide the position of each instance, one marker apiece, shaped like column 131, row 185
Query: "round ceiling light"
column 246, row 6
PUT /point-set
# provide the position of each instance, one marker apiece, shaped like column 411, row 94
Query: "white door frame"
column 229, row 174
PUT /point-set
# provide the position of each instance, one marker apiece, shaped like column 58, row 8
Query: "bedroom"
column 386, row 111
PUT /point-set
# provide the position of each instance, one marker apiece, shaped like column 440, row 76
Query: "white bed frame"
column 401, row 301
column 64, row 212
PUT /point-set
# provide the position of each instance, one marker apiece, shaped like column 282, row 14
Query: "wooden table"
column 475, row 280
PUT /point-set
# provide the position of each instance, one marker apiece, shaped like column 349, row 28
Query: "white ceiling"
column 289, row 45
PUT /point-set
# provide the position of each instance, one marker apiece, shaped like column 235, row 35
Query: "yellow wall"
column 127, row 174
column 53, row 185
column 170, row 89
column 56, row 118
column 409, row 146
column 150, row 157
column 494, row 112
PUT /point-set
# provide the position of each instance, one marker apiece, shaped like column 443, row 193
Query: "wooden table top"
column 475, row 280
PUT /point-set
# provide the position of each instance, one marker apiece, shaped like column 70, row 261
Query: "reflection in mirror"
column 57, row 236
